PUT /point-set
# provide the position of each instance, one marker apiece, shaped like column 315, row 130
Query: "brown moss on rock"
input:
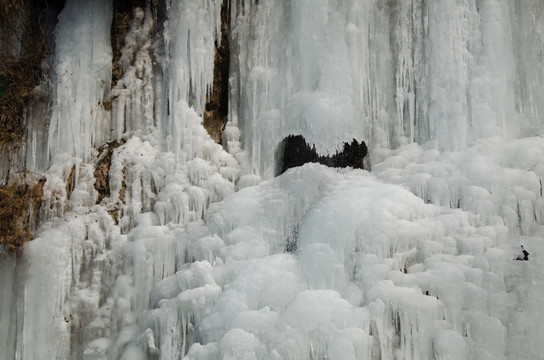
column 22, row 50
column 71, row 182
column 123, row 187
column 102, row 171
column 20, row 204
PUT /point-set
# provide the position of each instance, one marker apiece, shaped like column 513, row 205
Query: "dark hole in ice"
column 294, row 151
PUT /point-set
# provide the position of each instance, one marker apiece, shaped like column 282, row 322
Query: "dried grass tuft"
column 22, row 52
column 19, row 212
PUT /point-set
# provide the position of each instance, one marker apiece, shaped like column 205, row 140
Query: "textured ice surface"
column 199, row 253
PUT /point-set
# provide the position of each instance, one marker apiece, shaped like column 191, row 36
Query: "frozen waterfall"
column 194, row 250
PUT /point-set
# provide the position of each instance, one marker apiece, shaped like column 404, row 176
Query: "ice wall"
column 82, row 298
column 294, row 72
column 190, row 255
column 190, row 33
column 81, row 79
column 449, row 72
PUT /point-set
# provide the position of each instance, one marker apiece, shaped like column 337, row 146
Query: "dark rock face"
column 217, row 99
column 352, row 156
column 294, row 151
column 123, row 11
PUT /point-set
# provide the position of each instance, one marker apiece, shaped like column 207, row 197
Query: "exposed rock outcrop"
column 20, row 204
column 294, row 151
column 122, row 14
column 217, row 100
column 101, row 173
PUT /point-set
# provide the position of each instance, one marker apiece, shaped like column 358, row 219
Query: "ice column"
column 82, row 73
column 528, row 43
column 490, row 93
column 190, row 33
column 132, row 109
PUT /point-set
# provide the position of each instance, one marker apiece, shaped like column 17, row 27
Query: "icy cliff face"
column 195, row 251
column 391, row 73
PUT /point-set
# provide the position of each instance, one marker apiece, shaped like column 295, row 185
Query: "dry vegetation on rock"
column 19, row 212
column 22, row 52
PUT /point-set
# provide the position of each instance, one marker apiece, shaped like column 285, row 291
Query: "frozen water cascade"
column 197, row 252
column 81, row 78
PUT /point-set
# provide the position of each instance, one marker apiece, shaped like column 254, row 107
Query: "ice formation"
column 198, row 252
